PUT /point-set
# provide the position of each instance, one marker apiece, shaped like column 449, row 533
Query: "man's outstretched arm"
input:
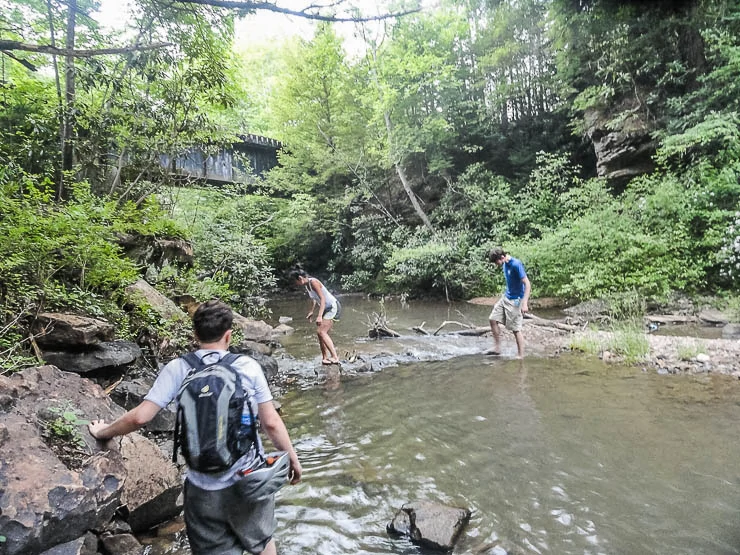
column 134, row 419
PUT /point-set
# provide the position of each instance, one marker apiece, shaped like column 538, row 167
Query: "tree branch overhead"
column 314, row 11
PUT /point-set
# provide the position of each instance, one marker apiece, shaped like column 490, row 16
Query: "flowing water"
column 552, row 455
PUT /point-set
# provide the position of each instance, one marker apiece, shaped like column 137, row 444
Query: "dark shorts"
column 223, row 522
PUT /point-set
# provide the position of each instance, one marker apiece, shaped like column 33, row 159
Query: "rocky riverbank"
column 666, row 354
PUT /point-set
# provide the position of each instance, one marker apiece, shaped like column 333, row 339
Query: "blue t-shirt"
column 514, row 273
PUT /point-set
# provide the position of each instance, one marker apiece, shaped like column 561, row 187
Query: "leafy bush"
column 231, row 262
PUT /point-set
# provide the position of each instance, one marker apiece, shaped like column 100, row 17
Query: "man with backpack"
column 229, row 501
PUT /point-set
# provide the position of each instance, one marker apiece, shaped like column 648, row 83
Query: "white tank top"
column 330, row 299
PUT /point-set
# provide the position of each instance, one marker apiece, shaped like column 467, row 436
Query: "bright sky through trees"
column 264, row 25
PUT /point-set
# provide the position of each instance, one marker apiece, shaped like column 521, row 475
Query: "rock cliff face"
column 624, row 149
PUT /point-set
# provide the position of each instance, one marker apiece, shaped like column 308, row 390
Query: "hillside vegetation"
column 597, row 140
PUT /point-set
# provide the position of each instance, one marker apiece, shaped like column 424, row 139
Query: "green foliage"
column 62, row 256
column 65, row 425
column 424, row 264
column 689, row 351
column 42, row 243
column 481, row 203
column 232, row 262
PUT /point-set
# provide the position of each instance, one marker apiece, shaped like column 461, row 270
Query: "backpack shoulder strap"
column 193, row 361
column 230, row 358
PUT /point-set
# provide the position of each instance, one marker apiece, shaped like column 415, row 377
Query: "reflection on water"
column 564, row 456
column 558, row 456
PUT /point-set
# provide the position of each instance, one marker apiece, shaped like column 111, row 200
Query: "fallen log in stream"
column 482, row 330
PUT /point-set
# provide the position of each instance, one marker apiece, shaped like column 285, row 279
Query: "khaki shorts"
column 222, row 522
column 508, row 313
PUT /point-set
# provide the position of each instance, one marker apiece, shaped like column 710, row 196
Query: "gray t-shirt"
column 165, row 389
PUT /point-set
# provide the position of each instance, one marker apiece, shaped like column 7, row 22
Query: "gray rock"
column 731, row 331
column 85, row 545
column 122, row 544
column 111, row 355
column 262, row 348
column 143, row 294
column 130, row 394
column 153, row 484
column 283, row 329
column 69, row 331
column 256, row 330
column 43, row 503
column 713, row 317
column 285, row 319
column 430, row 524
column 624, row 152
column 156, row 251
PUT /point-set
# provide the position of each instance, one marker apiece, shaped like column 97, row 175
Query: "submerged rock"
column 430, row 524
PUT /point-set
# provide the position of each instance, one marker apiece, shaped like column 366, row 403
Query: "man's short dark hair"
column 211, row 320
column 496, row 254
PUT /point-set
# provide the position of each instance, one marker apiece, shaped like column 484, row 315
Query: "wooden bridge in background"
column 228, row 164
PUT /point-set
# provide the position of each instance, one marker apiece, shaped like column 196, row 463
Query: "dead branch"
column 36, row 350
column 379, row 324
column 420, row 329
column 443, row 324
column 25, row 63
column 542, row 322
column 310, row 12
column 483, row 330
column 47, row 49
column 112, row 386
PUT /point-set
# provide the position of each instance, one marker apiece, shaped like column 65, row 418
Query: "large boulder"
column 69, row 331
column 44, row 502
column 156, row 251
column 85, row 545
column 112, row 355
column 153, row 484
column 57, row 484
column 255, row 330
column 623, row 151
column 128, row 394
column 141, row 293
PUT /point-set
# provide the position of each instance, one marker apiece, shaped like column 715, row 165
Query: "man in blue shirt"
column 513, row 303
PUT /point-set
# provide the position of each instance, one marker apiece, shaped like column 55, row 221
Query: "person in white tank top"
column 329, row 309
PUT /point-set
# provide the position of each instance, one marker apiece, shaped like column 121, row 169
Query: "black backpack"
column 210, row 405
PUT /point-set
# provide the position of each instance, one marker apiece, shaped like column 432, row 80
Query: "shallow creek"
column 553, row 455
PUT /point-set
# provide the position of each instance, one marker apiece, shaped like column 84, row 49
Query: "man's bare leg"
column 496, row 332
column 519, row 343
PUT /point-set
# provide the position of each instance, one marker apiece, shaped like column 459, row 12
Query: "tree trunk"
column 404, row 180
column 60, row 102
column 69, row 95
